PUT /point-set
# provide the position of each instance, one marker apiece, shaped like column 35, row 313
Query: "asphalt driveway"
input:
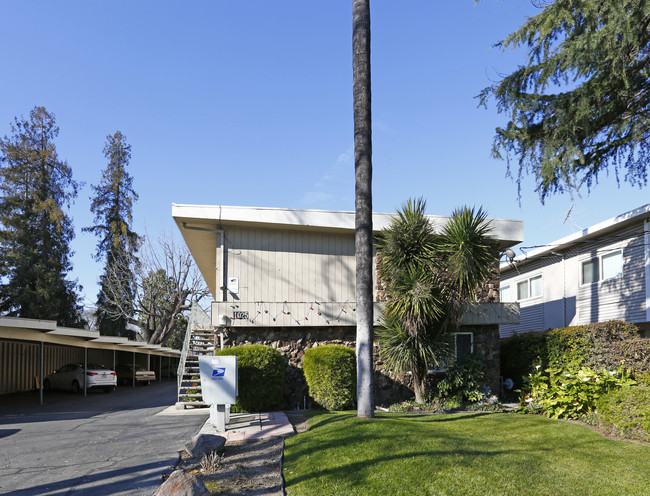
column 102, row 444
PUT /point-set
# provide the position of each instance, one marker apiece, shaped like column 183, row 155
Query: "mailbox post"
column 219, row 387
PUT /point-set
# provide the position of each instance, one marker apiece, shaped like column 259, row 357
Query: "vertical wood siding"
column 20, row 363
column 284, row 265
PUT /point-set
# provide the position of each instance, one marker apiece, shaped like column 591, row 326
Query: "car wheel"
column 109, row 389
column 46, row 385
column 75, row 387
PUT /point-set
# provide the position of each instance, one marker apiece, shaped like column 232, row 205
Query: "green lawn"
column 479, row 453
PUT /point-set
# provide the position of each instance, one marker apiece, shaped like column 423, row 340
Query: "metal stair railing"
column 199, row 319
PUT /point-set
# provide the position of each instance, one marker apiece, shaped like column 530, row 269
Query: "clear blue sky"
column 250, row 103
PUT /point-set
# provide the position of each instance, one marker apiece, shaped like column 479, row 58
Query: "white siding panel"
column 620, row 298
column 274, row 265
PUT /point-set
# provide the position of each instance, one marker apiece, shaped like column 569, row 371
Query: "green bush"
column 462, row 381
column 632, row 353
column 570, row 393
column 626, row 413
column 597, row 346
column 520, row 353
column 262, row 371
column 331, row 374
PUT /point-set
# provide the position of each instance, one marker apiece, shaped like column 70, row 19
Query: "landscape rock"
column 201, row 444
column 180, row 483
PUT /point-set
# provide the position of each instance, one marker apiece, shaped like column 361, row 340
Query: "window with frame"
column 603, row 267
column 462, row 344
column 505, row 294
column 529, row 288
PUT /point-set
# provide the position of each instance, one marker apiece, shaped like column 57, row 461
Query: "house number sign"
column 240, row 315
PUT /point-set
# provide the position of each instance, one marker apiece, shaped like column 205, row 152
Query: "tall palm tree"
column 428, row 277
column 363, row 204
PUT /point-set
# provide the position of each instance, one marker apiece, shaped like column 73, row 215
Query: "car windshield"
column 96, row 366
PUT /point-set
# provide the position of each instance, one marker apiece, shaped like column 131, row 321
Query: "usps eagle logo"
column 219, row 372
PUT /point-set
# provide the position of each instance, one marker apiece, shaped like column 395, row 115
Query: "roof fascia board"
column 39, row 325
column 601, row 228
column 509, row 231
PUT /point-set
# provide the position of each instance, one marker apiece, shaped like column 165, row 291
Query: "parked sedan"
column 142, row 375
column 72, row 376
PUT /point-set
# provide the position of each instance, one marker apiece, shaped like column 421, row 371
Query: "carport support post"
column 133, row 369
column 85, row 369
column 40, row 373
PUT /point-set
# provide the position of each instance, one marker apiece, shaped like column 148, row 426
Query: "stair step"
column 200, row 404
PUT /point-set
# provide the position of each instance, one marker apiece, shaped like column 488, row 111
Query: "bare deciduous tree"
column 167, row 282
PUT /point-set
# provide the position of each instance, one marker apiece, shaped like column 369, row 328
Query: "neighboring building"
column 287, row 278
column 600, row 273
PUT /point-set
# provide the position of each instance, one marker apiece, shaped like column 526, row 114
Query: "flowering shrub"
column 569, row 393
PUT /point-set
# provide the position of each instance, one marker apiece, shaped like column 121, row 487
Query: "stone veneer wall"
column 292, row 343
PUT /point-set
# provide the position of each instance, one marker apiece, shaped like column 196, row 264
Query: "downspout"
column 220, row 272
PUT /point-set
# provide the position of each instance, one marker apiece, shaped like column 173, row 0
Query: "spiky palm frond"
column 403, row 352
column 408, row 242
column 417, row 300
column 469, row 252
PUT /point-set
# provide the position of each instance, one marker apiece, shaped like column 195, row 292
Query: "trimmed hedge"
column 262, row 371
column 597, row 346
column 626, row 413
column 331, row 374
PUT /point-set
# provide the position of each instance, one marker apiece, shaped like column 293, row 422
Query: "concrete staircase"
column 199, row 341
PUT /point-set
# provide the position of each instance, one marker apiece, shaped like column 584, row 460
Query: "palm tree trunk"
column 363, row 203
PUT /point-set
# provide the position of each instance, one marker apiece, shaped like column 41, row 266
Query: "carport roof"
column 47, row 331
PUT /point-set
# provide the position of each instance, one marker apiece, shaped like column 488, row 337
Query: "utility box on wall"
column 219, row 379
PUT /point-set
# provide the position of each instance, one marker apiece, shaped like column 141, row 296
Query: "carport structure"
column 31, row 349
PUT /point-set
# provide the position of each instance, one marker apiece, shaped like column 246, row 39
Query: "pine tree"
column 581, row 103
column 36, row 189
column 112, row 205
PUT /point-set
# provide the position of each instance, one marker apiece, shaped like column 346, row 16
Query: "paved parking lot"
column 102, row 444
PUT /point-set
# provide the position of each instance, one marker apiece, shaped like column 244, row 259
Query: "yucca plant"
column 428, row 277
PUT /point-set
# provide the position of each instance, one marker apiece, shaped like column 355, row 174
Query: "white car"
column 71, row 377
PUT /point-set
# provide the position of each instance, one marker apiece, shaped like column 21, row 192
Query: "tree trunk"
column 418, row 387
column 363, row 203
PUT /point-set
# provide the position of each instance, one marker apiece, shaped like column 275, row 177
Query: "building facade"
column 598, row 274
column 287, row 278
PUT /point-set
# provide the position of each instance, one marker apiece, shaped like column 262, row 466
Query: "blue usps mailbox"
column 219, row 386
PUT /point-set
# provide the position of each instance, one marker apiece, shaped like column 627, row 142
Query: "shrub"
column 633, row 353
column 597, row 346
column 626, row 413
column 462, row 382
column 261, row 377
column 520, row 353
column 331, row 374
column 570, row 393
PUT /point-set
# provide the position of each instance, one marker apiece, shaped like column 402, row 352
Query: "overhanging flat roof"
column 508, row 232
column 603, row 228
